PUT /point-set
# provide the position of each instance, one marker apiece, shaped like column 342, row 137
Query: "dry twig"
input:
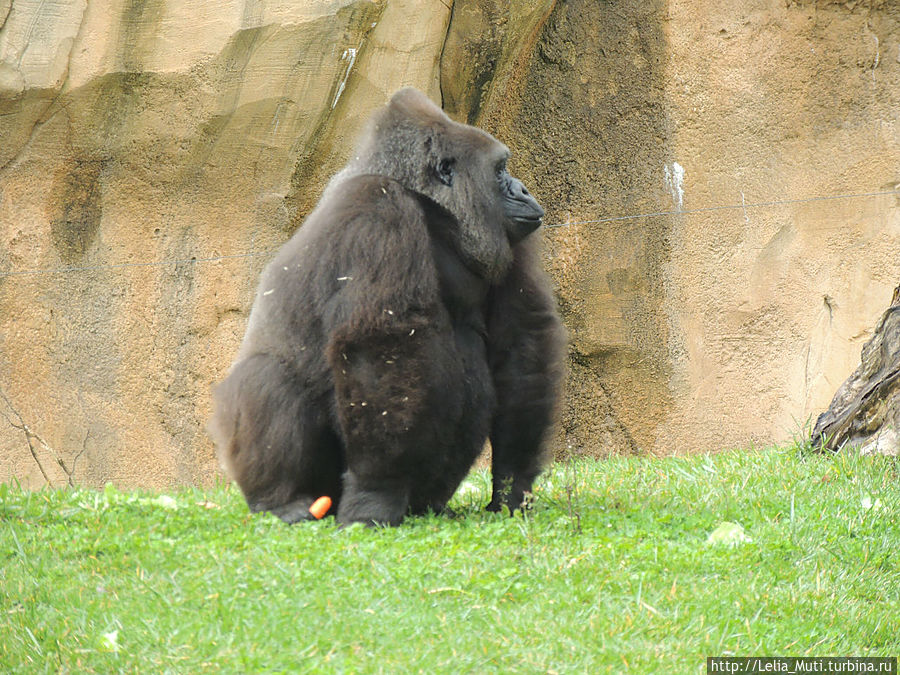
column 16, row 421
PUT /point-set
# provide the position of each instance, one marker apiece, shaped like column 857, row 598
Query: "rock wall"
column 770, row 306
column 154, row 153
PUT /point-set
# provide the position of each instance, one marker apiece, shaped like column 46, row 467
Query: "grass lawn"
column 610, row 571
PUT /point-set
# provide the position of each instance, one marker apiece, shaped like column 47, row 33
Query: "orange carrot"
column 320, row 507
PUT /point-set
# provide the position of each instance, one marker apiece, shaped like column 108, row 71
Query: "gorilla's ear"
column 445, row 170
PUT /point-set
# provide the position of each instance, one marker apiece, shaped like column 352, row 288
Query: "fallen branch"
column 16, row 421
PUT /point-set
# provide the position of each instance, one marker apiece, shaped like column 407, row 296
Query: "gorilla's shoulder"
column 369, row 186
column 363, row 222
column 374, row 202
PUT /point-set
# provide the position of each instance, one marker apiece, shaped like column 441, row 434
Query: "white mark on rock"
column 349, row 54
column 674, row 179
column 345, row 278
column 877, row 57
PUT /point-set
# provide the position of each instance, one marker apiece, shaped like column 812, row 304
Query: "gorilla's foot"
column 380, row 506
column 295, row 511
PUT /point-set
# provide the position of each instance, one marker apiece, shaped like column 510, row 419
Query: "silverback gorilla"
column 406, row 322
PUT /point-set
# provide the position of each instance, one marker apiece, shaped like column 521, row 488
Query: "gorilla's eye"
column 502, row 177
column 444, row 171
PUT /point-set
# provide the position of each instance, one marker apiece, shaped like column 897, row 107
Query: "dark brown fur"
column 403, row 325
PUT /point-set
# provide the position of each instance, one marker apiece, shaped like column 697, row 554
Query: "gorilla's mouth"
column 522, row 209
column 521, row 226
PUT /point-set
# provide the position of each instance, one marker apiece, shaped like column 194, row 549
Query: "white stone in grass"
column 166, row 502
column 728, row 534
column 468, row 488
column 868, row 504
column 109, row 642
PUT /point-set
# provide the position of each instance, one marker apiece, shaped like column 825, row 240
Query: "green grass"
column 609, row 572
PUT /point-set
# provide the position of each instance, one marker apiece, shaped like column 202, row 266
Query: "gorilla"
column 404, row 324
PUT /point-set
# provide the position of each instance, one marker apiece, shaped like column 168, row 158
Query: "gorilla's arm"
column 526, row 345
column 383, row 352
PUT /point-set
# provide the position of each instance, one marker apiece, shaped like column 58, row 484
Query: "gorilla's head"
column 461, row 168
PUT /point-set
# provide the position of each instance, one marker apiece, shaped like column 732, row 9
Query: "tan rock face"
column 152, row 153
column 775, row 303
